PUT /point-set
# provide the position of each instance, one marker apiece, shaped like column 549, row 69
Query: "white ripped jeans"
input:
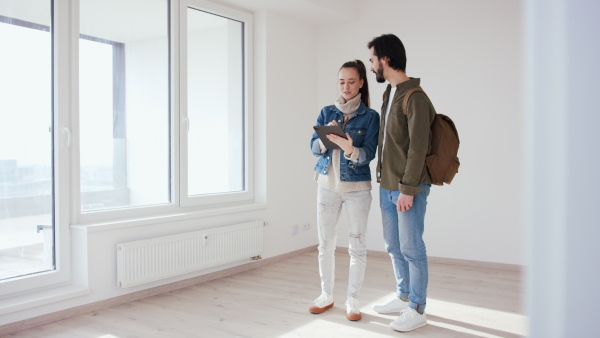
column 329, row 206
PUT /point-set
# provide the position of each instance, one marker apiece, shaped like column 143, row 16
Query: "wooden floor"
column 273, row 301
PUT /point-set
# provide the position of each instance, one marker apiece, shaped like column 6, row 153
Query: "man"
column 404, row 142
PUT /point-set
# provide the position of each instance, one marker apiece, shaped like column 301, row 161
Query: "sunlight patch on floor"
column 469, row 319
column 476, row 318
column 323, row 328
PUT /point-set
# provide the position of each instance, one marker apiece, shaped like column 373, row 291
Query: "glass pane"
column 124, row 104
column 26, row 222
column 215, row 104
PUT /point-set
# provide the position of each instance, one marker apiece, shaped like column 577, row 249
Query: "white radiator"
column 162, row 257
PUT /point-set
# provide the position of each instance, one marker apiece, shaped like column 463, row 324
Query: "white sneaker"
column 392, row 305
column 322, row 303
column 409, row 320
column 352, row 309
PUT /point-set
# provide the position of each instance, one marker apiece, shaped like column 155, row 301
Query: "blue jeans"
column 403, row 236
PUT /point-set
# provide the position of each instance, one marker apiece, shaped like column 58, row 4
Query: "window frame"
column 83, row 218
column 180, row 202
column 61, row 96
column 246, row 19
column 68, row 216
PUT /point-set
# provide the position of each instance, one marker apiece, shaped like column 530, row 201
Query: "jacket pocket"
column 357, row 134
column 357, row 170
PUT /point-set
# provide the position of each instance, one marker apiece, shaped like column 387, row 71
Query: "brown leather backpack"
column 442, row 161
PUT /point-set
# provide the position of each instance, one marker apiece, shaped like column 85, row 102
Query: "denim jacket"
column 363, row 128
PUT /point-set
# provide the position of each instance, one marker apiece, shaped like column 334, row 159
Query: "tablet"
column 323, row 131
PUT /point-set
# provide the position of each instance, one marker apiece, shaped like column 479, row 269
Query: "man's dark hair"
column 390, row 46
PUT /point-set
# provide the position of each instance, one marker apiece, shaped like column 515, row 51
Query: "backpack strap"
column 407, row 96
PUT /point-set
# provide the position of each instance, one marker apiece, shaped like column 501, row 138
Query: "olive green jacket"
column 408, row 140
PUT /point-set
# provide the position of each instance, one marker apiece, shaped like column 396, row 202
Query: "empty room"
column 257, row 168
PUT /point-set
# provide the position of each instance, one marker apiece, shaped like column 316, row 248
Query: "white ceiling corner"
column 317, row 12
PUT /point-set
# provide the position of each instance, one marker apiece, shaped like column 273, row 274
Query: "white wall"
column 290, row 73
column 468, row 54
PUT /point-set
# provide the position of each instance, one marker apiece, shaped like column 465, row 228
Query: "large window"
column 215, row 109
column 124, row 104
column 26, row 175
column 113, row 111
column 214, row 105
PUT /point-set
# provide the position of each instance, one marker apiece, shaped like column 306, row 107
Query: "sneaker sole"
column 318, row 310
column 388, row 312
column 410, row 329
column 353, row 316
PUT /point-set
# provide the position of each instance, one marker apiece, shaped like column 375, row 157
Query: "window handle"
column 67, row 131
column 186, row 120
column 42, row 227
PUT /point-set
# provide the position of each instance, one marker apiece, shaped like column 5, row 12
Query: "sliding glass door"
column 26, row 155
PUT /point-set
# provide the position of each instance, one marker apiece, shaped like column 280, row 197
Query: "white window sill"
column 40, row 298
column 128, row 223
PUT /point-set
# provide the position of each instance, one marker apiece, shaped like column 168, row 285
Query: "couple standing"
column 344, row 176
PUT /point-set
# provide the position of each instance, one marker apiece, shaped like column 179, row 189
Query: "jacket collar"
column 401, row 87
column 406, row 85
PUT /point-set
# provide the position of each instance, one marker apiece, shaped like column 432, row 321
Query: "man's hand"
column 405, row 202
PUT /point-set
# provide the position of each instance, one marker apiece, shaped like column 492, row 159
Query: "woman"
column 344, row 177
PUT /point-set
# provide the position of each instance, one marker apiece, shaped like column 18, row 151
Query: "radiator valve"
column 255, row 258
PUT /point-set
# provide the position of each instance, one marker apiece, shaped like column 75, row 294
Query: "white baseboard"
column 478, row 264
column 42, row 298
column 451, row 261
column 78, row 310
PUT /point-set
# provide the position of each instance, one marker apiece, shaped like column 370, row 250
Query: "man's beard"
column 379, row 75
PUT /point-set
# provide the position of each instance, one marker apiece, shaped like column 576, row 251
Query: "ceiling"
column 316, row 12
column 140, row 19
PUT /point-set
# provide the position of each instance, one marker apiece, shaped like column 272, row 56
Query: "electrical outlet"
column 306, row 226
column 294, row 229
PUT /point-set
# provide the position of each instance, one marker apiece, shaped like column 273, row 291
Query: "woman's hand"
column 345, row 144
